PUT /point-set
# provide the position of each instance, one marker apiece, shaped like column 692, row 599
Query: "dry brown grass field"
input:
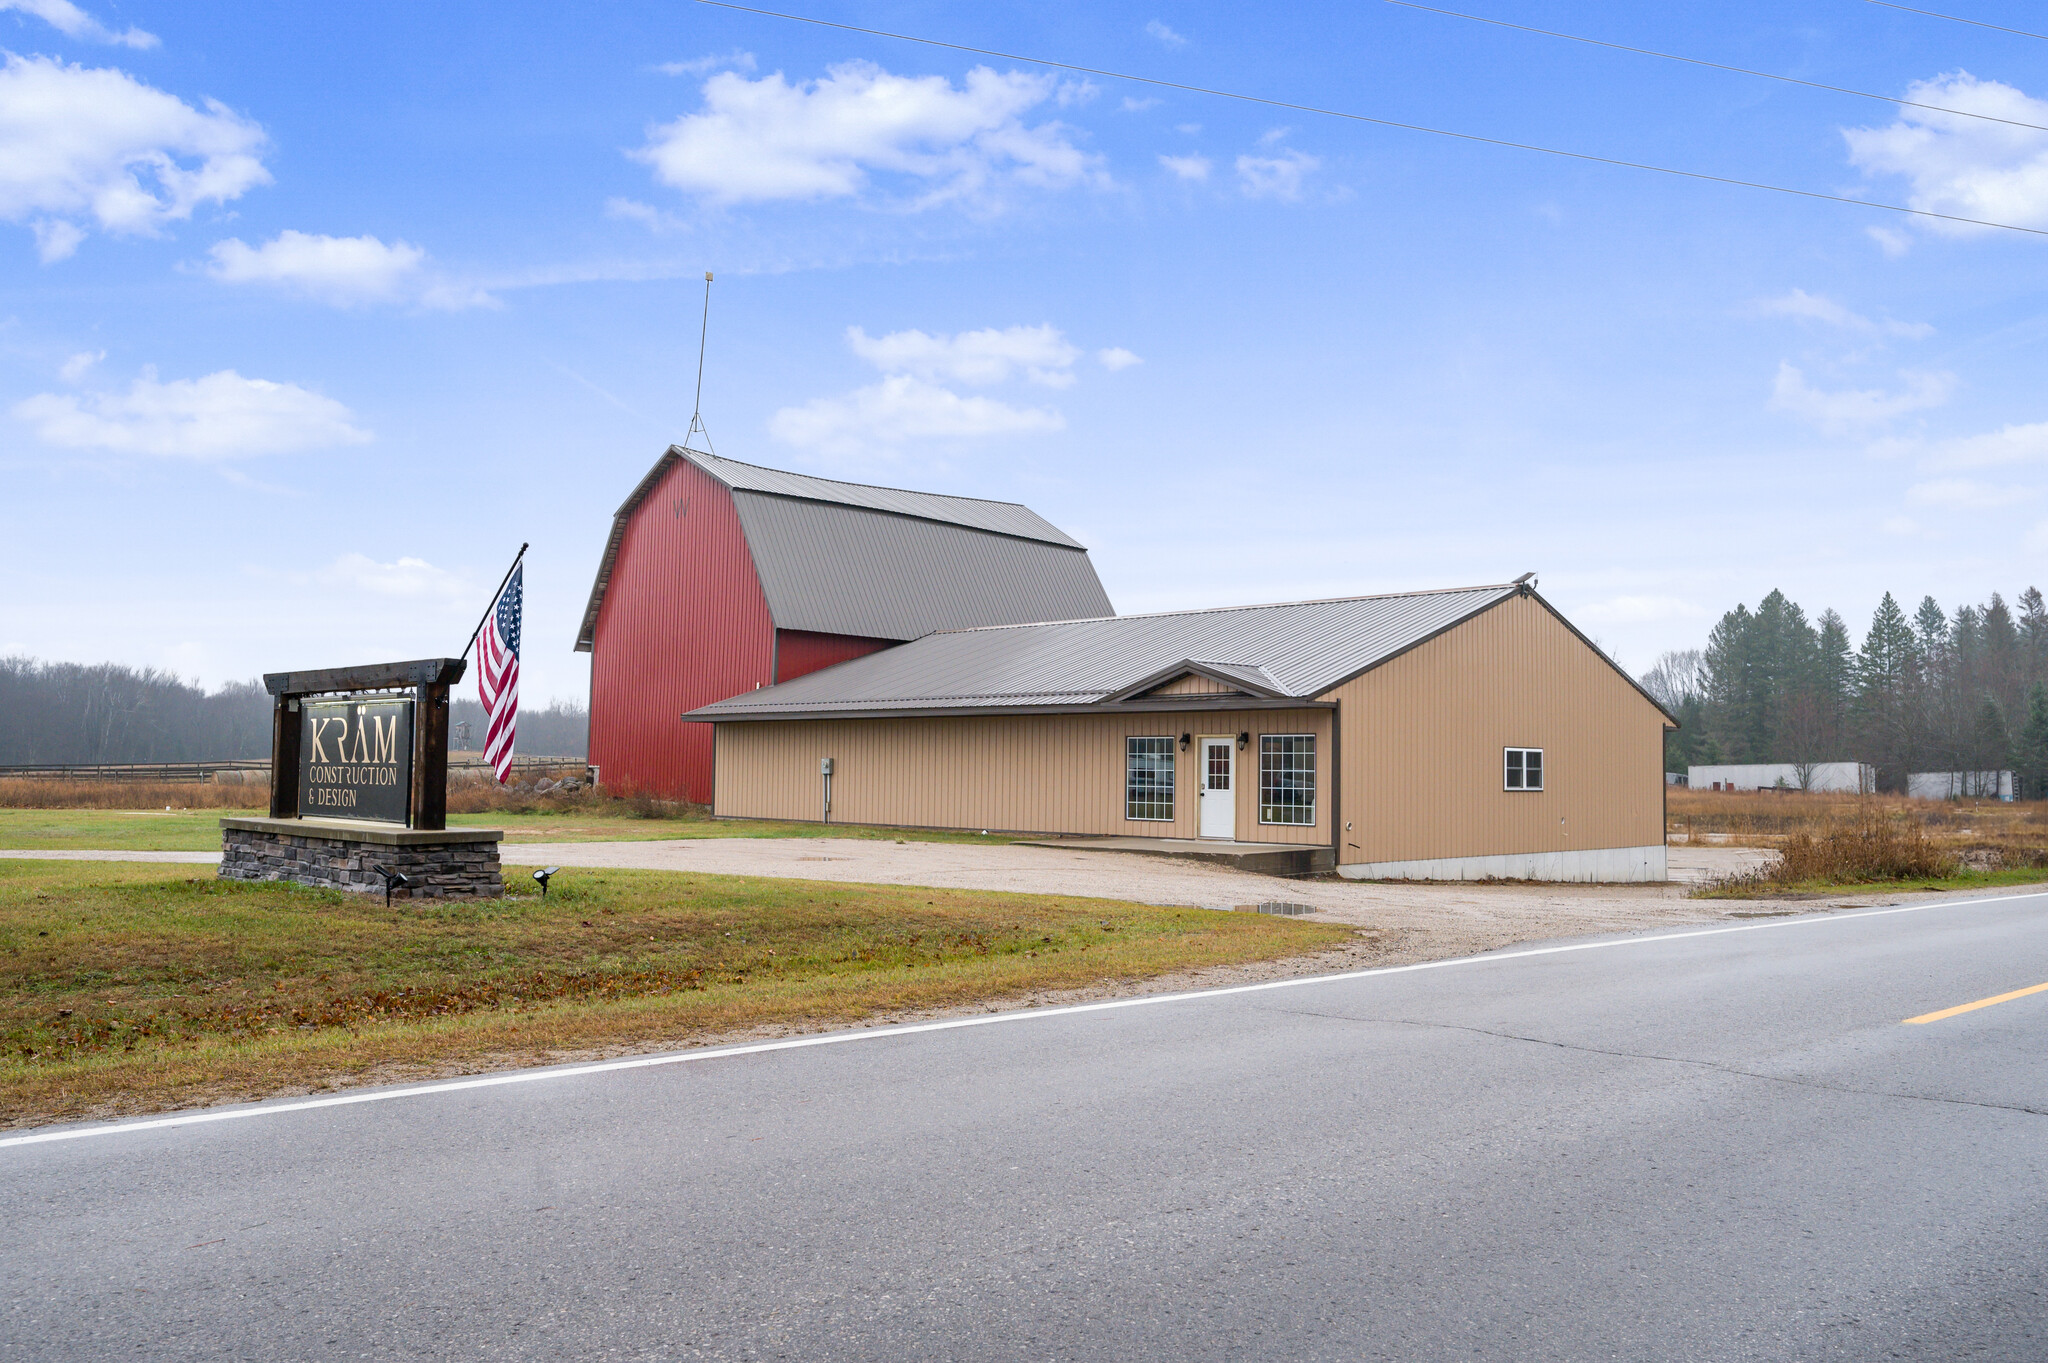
column 19, row 793
column 1825, row 840
column 1764, row 818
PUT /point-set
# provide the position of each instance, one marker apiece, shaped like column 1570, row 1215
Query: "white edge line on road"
column 535, row 1076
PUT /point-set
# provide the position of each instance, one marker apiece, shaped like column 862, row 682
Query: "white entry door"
column 1219, row 794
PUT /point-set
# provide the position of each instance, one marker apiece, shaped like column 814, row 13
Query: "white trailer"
column 1849, row 778
column 1959, row 785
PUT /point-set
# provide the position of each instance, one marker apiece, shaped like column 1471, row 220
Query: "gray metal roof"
column 1303, row 649
column 883, row 563
column 1002, row 518
column 849, row 570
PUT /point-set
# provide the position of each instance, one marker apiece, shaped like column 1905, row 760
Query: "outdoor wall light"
column 1185, row 740
column 543, row 875
column 1244, row 740
column 391, row 877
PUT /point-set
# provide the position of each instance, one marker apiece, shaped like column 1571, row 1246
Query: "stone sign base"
column 336, row 854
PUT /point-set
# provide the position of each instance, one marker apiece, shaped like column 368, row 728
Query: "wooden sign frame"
column 429, row 680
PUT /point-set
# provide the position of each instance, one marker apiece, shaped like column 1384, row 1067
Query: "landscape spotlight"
column 543, row 875
column 391, row 877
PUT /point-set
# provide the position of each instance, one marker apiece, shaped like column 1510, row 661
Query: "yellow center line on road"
column 1980, row 1003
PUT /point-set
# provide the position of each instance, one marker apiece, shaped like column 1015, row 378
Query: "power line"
column 1377, row 122
column 1717, row 66
column 1958, row 19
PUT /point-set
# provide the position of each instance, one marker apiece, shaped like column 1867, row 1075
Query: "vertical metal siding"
column 801, row 651
column 1423, row 737
column 1017, row 773
column 1194, row 684
column 683, row 623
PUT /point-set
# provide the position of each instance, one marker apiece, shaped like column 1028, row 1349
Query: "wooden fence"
column 252, row 771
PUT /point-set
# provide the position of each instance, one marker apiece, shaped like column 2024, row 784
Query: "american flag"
column 497, row 673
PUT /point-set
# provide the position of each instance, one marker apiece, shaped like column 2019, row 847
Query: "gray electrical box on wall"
column 825, row 766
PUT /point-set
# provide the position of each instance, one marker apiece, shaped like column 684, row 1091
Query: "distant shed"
column 1841, row 778
column 721, row 577
column 1457, row 734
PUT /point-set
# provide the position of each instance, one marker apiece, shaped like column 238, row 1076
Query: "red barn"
column 722, row 577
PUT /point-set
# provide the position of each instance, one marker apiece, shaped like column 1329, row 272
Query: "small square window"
column 1523, row 769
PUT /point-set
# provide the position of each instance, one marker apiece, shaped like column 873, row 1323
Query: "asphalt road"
column 1719, row 1145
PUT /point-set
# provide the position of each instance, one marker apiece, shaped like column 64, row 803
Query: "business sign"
column 355, row 759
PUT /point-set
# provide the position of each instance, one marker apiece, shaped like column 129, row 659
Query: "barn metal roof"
column 1300, row 650
column 879, row 562
column 845, row 569
column 1002, row 518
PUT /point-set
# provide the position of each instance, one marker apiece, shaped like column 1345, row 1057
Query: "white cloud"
column 1815, row 308
column 220, row 416
column 1116, row 358
column 1187, row 167
column 990, row 355
column 79, row 365
column 1994, row 449
column 762, row 140
column 899, row 409
column 411, row 579
column 1639, row 610
column 1966, row 494
column 73, row 22
column 1857, row 408
column 344, row 271
column 1274, row 177
column 1139, row 106
column 1164, row 34
column 647, row 215
column 56, row 239
column 1964, row 166
column 1891, row 241
column 1899, row 525
column 97, row 144
column 735, row 60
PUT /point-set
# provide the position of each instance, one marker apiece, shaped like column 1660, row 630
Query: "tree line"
column 108, row 713
column 1926, row 692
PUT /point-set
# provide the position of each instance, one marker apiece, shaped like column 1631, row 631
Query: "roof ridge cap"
column 1220, row 610
column 847, row 482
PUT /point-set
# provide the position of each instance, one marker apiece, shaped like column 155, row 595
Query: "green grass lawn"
column 198, row 830
column 132, row 987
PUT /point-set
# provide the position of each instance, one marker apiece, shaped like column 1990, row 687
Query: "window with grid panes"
column 1287, row 778
column 1524, row 769
column 1148, row 778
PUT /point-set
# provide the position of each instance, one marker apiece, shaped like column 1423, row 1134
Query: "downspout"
column 1336, row 785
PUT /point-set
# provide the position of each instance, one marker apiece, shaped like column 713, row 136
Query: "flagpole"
column 494, row 603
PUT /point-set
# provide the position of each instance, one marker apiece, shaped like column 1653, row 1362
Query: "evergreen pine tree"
column 1836, row 667
column 1990, row 744
column 2030, row 754
column 1731, row 687
column 1885, row 669
column 2033, row 629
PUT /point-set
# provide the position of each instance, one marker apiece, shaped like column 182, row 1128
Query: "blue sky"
column 313, row 314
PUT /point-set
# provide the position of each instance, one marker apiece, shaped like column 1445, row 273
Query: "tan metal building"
column 1456, row 734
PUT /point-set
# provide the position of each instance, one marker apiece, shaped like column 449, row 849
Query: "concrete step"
column 1260, row 858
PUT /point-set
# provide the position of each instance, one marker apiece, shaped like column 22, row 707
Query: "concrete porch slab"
column 1261, row 858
